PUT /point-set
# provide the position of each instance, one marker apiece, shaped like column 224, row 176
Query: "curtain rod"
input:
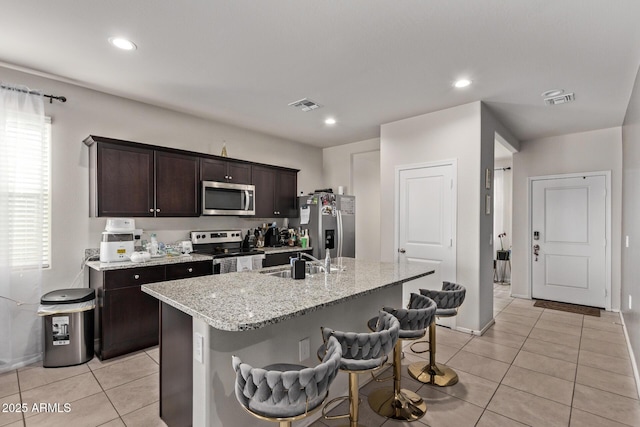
column 503, row 169
column 33, row 92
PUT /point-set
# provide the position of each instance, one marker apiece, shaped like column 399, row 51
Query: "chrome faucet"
column 312, row 258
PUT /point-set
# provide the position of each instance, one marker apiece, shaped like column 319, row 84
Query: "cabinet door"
column 265, row 180
column 239, row 173
column 286, row 199
column 213, row 170
column 177, row 184
column 129, row 321
column 124, row 181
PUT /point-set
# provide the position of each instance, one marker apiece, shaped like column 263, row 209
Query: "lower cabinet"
column 281, row 258
column 127, row 319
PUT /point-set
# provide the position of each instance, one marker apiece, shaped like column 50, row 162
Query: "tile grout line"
column 107, row 396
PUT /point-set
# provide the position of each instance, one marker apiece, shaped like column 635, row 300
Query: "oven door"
column 222, row 198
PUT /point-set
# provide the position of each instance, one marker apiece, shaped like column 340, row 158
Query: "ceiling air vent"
column 561, row 99
column 305, row 104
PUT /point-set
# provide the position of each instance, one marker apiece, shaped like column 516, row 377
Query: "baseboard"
column 476, row 332
column 634, row 365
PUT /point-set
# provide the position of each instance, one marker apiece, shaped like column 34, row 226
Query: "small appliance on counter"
column 117, row 242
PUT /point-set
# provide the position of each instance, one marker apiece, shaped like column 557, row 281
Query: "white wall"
column 598, row 150
column 356, row 167
column 630, row 225
column 491, row 129
column 92, row 112
column 453, row 133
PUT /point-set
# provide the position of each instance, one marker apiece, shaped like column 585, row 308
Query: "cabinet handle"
column 136, row 276
column 190, row 270
column 230, row 177
column 150, row 210
column 226, row 177
column 157, row 210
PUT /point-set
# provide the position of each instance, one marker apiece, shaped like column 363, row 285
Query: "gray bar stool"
column 285, row 392
column 448, row 300
column 396, row 402
column 361, row 353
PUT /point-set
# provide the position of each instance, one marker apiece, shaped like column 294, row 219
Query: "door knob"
column 536, row 250
column 401, row 250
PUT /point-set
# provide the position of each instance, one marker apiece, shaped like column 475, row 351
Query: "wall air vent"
column 305, row 104
column 561, row 99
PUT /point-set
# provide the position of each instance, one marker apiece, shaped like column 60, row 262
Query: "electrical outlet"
column 198, row 346
column 629, row 302
column 304, row 349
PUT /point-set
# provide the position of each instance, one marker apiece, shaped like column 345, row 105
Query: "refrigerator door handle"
column 340, row 234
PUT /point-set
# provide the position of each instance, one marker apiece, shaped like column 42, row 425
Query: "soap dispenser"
column 298, row 268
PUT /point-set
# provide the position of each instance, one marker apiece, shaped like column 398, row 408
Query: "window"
column 27, row 192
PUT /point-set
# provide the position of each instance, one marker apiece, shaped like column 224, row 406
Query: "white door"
column 426, row 222
column 569, row 234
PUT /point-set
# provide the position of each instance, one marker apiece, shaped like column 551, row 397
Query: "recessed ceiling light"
column 462, row 83
column 330, row 121
column 122, row 43
column 552, row 92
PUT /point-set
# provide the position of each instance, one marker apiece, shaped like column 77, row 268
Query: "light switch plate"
column 198, row 346
column 304, row 349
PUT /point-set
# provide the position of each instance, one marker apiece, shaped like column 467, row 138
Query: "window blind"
column 28, row 184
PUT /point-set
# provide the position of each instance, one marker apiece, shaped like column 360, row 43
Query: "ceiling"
column 367, row 62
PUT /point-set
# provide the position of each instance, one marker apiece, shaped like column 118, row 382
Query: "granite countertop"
column 103, row 266
column 283, row 249
column 252, row 300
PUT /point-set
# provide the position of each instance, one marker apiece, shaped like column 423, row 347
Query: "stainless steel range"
column 229, row 250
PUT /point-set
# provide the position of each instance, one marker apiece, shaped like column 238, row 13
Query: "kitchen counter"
column 104, row 266
column 262, row 319
column 252, row 299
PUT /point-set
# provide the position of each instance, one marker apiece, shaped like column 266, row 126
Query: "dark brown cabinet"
column 225, row 171
column 135, row 180
column 127, row 318
column 275, row 192
column 177, row 184
column 282, row 258
column 123, row 181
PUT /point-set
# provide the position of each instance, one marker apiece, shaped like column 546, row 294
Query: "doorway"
column 569, row 235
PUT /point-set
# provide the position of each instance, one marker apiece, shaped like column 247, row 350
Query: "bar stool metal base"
column 441, row 376
column 404, row 405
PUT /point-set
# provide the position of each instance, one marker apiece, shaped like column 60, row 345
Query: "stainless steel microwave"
column 223, row 198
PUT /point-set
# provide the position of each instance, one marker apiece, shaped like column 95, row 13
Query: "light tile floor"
column 534, row 367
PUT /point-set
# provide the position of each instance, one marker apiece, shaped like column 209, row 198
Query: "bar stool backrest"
column 448, row 299
column 367, row 345
column 286, row 393
column 414, row 319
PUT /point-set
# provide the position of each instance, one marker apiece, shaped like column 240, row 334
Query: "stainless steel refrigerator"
column 331, row 221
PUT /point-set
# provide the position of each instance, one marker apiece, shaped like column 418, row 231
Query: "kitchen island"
column 263, row 319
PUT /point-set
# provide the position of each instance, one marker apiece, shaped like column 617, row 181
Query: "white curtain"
column 21, row 113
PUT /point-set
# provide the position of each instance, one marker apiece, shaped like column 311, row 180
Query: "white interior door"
column 426, row 222
column 569, row 218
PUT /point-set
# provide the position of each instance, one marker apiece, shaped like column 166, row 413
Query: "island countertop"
column 251, row 300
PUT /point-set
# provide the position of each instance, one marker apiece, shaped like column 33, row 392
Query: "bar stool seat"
column 286, row 392
column 361, row 353
column 398, row 403
column 448, row 300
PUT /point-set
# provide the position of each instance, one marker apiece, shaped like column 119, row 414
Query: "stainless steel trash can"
column 68, row 316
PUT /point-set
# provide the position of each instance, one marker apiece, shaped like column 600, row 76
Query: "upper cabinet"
column 129, row 179
column 225, row 171
column 133, row 180
column 275, row 192
column 177, row 184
